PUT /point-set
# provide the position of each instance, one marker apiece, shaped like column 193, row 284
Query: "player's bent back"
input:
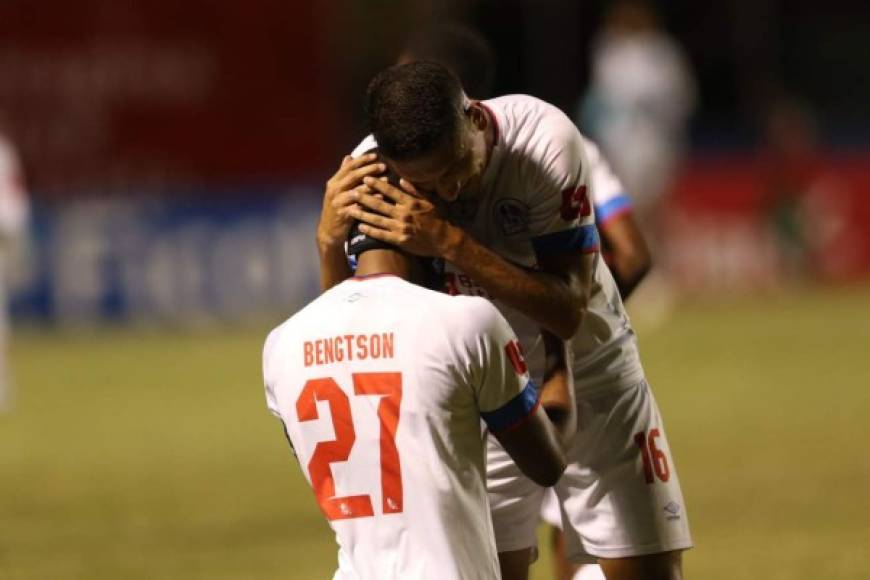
column 381, row 386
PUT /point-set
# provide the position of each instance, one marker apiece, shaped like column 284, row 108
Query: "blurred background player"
column 637, row 108
column 425, row 369
column 638, row 103
column 14, row 214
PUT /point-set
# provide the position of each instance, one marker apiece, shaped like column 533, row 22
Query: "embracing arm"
column 629, row 256
column 338, row 197
column 555, row 298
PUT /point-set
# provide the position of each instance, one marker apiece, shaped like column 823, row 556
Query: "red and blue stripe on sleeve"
column 613, row 208
column 515, row 412
column 583, row 238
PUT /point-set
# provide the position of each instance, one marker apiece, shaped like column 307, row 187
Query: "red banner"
column 122, row 94
column 738, row 222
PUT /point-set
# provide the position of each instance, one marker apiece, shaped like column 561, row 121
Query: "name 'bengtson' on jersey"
column 534, row 199
column 381, row 386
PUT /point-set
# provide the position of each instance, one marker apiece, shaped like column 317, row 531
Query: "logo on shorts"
column 512, row 215
column 673, row 510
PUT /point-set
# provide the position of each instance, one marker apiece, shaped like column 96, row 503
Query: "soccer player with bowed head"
column 381, row 385
column 498, row 189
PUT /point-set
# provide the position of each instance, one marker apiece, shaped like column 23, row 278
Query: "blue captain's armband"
column 515, row 412
column 583, row 238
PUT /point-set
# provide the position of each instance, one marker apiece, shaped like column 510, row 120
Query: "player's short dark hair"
column 461, row 49
column 414, row 108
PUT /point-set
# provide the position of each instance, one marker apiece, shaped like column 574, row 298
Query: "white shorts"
column 619, row 496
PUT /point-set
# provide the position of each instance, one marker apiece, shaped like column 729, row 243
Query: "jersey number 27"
column 389, row 387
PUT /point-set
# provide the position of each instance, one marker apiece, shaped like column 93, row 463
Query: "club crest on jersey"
column 512, row 216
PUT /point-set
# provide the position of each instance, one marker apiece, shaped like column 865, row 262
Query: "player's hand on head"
column 400, row 216
column 340, row 194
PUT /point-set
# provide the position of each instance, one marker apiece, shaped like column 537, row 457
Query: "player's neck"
column 385, row 262
column 489, row 135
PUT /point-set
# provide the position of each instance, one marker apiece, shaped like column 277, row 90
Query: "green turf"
column 149, row 455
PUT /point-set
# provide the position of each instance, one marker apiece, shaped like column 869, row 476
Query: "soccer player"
column 381, row 386
column 14, row 216
column 511, row 176
column 469, row 56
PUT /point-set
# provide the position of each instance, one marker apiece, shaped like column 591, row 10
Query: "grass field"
column 137, row 454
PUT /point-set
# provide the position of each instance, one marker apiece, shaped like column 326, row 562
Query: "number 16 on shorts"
column 655, row 462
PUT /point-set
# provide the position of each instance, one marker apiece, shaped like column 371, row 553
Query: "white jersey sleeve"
column 506, row 395
column 609, row 197
column 561, row 216
column 271, row 401
column 14, row 205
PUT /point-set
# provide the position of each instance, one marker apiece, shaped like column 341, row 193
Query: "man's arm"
column 556, row 297
column 628, row 254
column 625, row 249
column 335, row 221
column 534, row 446
column 510, row 404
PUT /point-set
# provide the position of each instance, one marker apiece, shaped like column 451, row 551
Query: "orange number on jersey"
column 515, row 355
column 575, row 202
column 654, row 459
column 327, row 452
column 390, row 386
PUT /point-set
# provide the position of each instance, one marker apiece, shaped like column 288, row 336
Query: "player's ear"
column 477, row 115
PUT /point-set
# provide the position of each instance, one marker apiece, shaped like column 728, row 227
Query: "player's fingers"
column 352, row 178
column 361, row 160
column 383, row 235
column 376, row 203
column 344, row 199
column 349, row 163
column 373, row 219
column 409, row 187
column 387, row 189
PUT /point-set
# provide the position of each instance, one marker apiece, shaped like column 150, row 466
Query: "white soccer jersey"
column 381, row 386
column 533, row 201
column 609, row 197
column 14, row 205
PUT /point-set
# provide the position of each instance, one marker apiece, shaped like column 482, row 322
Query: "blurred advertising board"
column 175, row 262
column 239, row 253
column 742, row 222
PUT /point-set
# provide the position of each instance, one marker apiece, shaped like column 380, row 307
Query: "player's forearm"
column 547, row 299
column 629, row 271
column 630, row 258
column 334, row 268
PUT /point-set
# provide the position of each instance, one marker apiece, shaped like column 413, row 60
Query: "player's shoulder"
column 527, row 114
column 470, row 316
column 297, row 322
